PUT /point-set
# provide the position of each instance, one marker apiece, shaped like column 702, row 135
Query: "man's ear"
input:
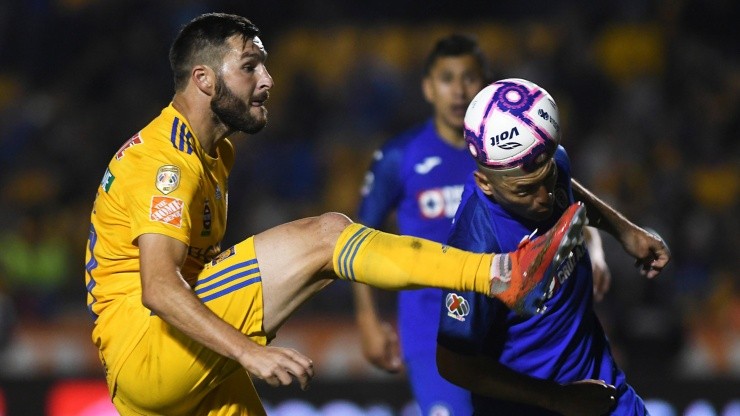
column 483, row 183
column 205, row 79
column 426, row 88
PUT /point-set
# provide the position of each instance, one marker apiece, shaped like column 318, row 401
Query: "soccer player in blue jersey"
column 419, row 175
column 519, row 365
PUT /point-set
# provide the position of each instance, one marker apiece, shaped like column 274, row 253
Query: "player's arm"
column 380, row 193
column 600, row 269
column 379, row 339
column 485, row 376
column 167, row 294
column 649, row 250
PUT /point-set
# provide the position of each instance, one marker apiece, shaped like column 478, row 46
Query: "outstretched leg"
column 295, row 263
column 300, row 258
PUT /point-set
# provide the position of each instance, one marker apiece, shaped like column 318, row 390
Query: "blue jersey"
column 420, row 177
column 566, row 343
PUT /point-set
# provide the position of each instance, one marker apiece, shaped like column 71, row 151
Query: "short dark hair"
column 203, row 41
column 457, row 45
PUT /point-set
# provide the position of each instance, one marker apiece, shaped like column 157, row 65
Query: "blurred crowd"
column 649, row 92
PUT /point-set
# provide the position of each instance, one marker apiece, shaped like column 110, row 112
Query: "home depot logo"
column 167, row 210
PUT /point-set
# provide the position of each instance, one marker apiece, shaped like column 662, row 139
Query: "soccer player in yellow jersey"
column 181, row 323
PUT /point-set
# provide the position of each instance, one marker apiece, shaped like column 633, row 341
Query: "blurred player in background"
column 419, row 175
column 517, row 365
column 177, row 319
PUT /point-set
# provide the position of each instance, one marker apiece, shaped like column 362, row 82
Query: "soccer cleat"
column 526, row 278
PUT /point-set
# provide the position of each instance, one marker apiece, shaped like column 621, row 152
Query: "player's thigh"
column 231, row 286
column 234, row 396
column 170, row 373
column 296, row 262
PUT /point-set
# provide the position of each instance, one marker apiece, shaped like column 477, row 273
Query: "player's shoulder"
column 403, row 140
column 227, row 153
column 169, row 127
column 561, row 155
column 393, row 151
column 473, row 228
column 562, row 160
column 168, row 136
column 164, row 145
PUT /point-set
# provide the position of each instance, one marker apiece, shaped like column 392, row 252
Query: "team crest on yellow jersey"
column 168, row 178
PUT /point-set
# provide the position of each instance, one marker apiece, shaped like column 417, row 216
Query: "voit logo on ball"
column 457, row 306
column 512, row 123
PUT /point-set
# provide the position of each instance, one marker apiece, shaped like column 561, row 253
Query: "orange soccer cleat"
column 526, row 278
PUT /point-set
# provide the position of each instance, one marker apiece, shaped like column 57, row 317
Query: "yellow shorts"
column 167, row 373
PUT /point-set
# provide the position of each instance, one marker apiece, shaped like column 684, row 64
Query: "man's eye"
column 524, row 192
column 471, row 78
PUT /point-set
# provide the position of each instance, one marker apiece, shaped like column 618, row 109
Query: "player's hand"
column 586, row 398
column 380, row 346
column 278, row 366
column 651, row 253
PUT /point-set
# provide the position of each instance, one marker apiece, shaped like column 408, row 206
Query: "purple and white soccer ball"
column 512, row 123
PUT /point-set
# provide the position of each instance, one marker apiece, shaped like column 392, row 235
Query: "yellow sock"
column 393, row 262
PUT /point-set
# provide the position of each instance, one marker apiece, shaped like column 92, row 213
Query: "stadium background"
column 648, row 91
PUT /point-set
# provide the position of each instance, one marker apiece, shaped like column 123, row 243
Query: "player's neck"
column 453, row 136
column 205, row 127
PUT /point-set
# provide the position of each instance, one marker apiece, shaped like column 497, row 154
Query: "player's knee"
column 326, row 229
column 331, row 225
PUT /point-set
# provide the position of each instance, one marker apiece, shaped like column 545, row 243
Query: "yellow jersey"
column 160, row 181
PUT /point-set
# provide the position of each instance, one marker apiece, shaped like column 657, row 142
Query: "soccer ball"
column 512, row 124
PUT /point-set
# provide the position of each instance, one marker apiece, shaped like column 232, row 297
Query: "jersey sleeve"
column 563, row 162
column 383, row 186
column 159, row 192
column 564, row 174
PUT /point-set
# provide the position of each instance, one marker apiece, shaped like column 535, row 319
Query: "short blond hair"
column 509, row 178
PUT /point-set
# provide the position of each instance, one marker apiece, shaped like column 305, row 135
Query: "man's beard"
column 233, row 112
